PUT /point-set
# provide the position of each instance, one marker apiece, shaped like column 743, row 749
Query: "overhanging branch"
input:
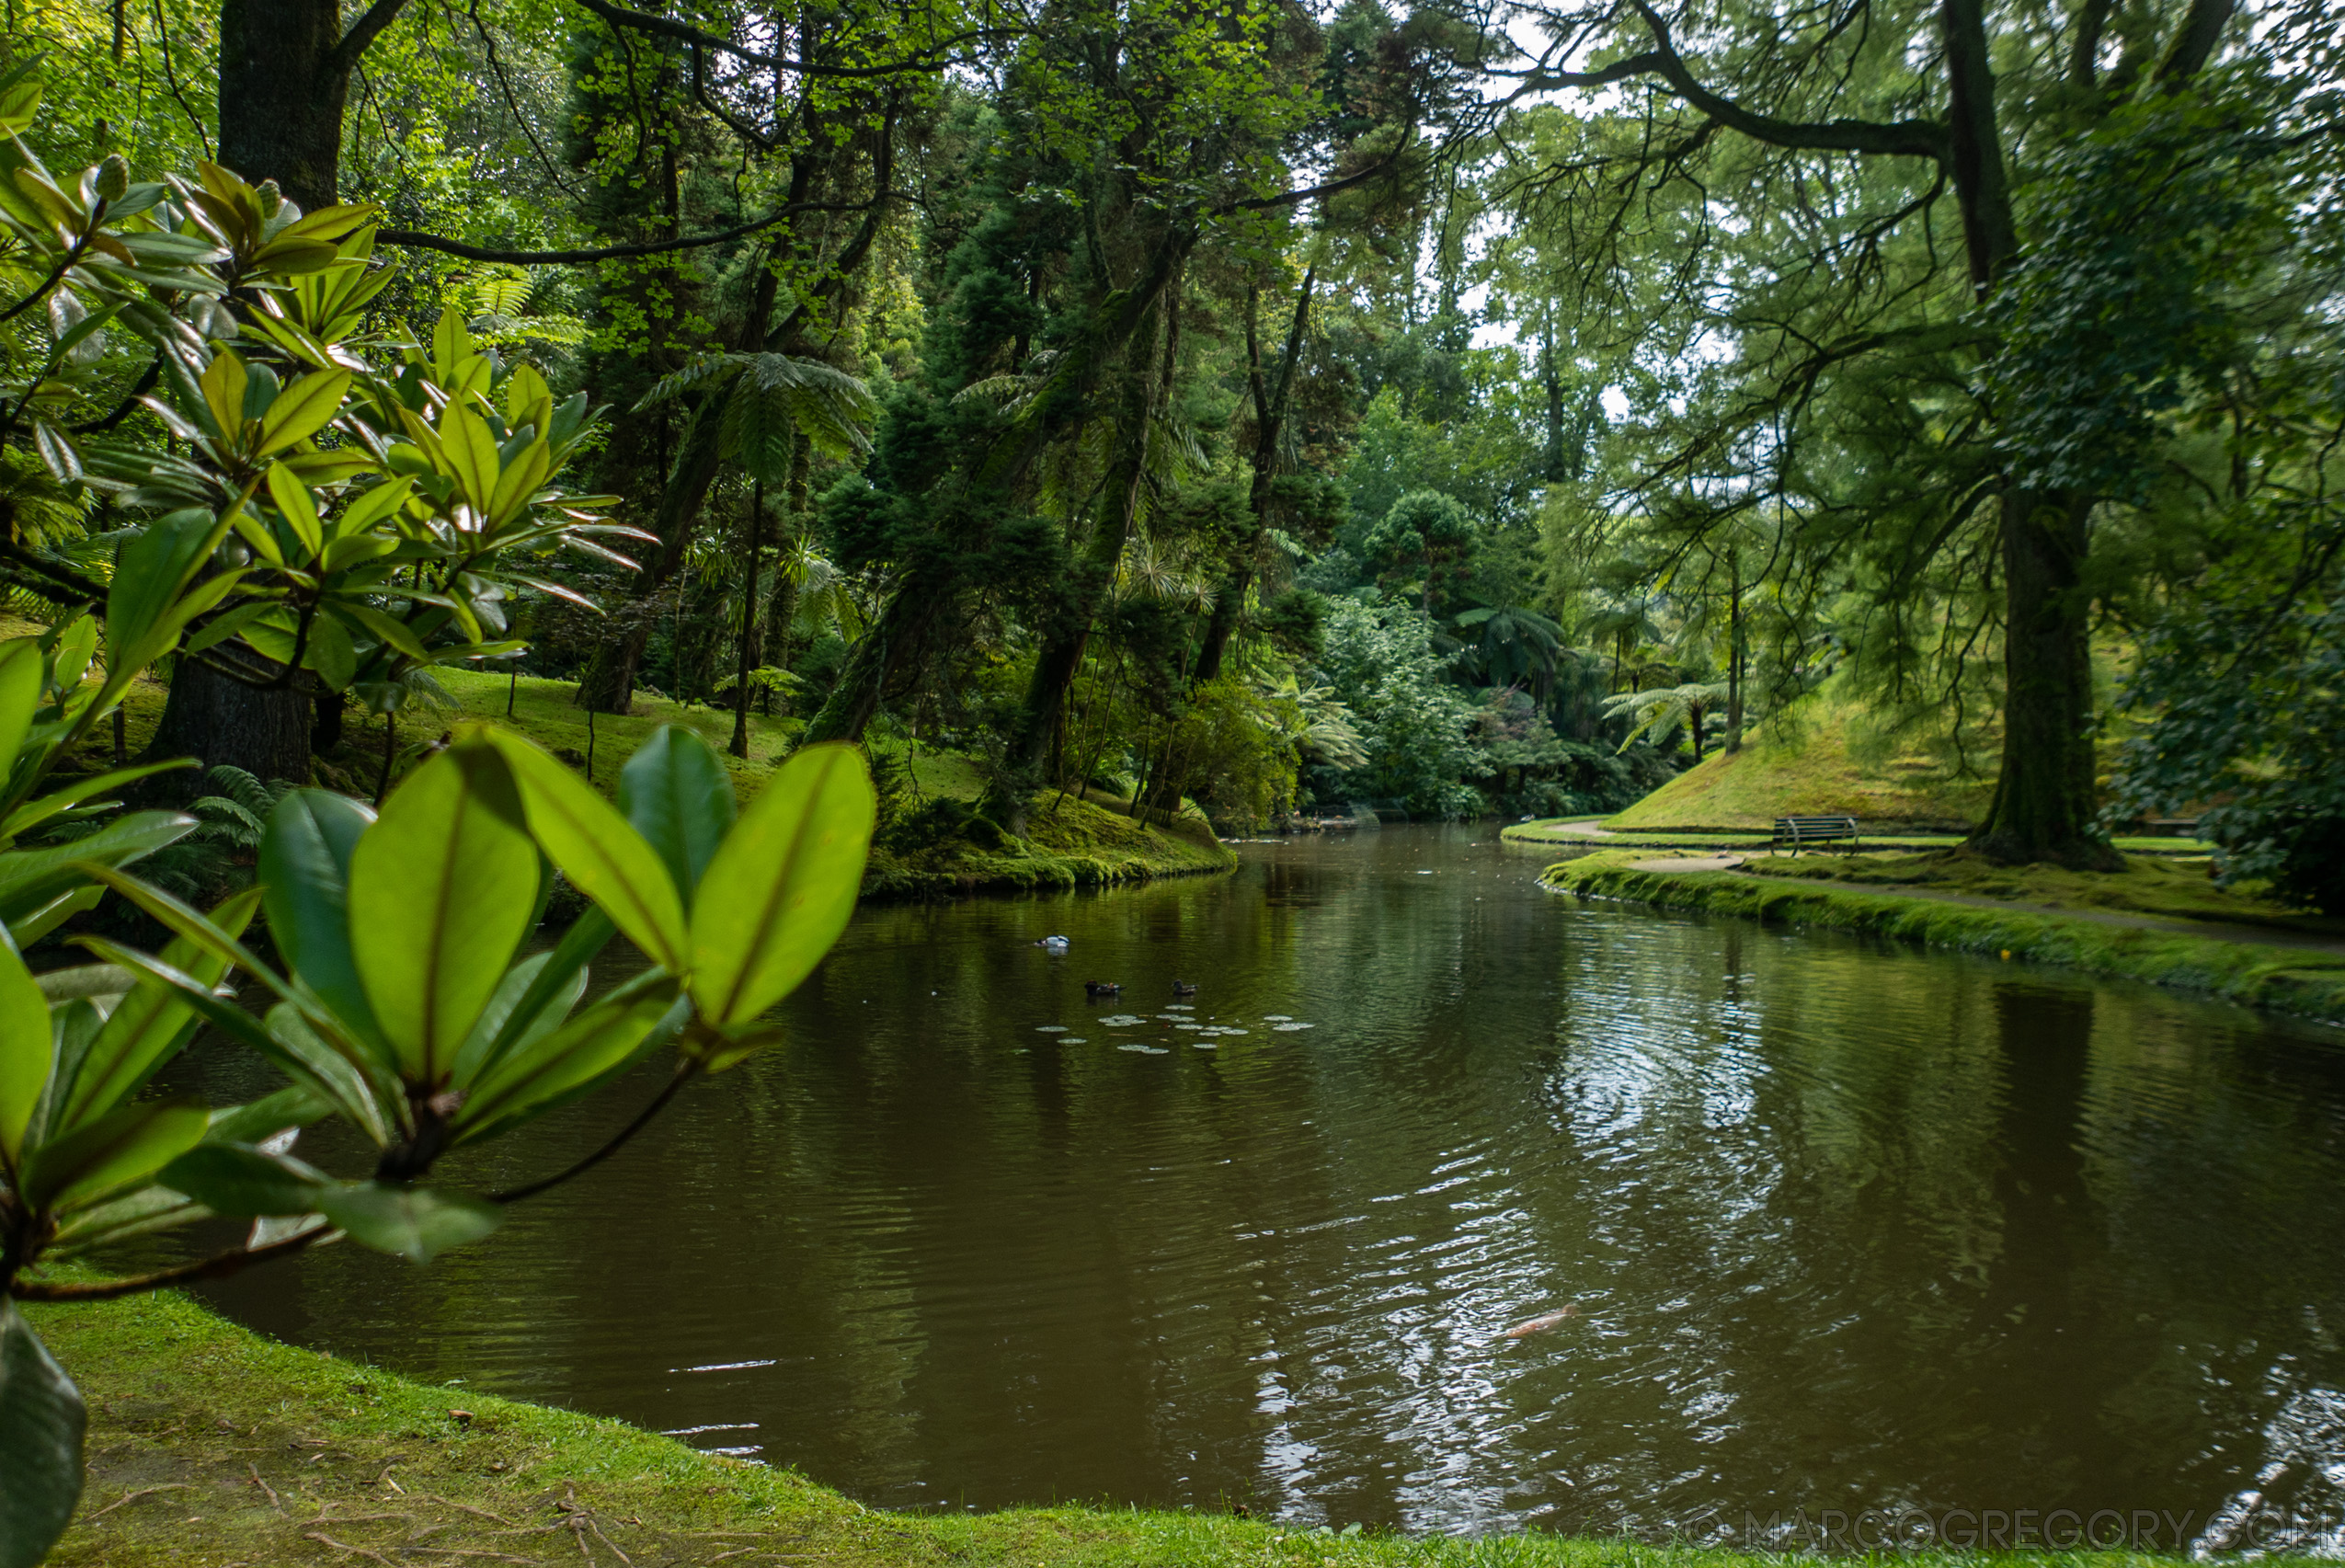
column 1907, row 138
column 617, row 252
column 929, row 59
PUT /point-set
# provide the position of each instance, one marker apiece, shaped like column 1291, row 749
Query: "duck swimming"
column 1102, row 988
column 1056, row 943
column 1183, row 987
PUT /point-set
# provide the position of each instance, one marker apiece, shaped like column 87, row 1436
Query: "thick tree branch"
column 615, row 252
column 363, row 32
column 2084, row 51
column 130, row 403
column 2195, row 44
column 1904, row 138
column 1294, row 198
column 931, row 59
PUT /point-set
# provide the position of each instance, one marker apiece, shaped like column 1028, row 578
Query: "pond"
column 1817, row 1223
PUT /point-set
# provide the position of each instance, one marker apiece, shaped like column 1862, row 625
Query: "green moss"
column 1071, row 842
column 210, row 1446
column 2308, row 981
column 1549, row 831
column 2149, row 887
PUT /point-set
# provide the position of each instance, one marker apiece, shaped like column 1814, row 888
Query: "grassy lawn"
column 1821, row 769
column 210, row 1446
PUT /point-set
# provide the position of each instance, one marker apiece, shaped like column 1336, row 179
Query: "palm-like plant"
column 764, row 402
column 1515, row 647
column 1659, row 710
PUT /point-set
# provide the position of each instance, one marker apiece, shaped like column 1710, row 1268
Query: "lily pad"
column 1050, row 1028
column 1290, row 1029
column 1276, row 1017
column 1121, row 1020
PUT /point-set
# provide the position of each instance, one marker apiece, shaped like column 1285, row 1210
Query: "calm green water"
column 1842, row 1225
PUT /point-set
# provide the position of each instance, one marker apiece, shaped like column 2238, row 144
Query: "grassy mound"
column 1827, row 767
column 210, row 1446
column 2308, row 981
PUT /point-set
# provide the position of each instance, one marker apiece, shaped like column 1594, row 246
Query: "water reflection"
column 1843, row 1225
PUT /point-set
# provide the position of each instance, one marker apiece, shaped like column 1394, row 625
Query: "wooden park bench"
column 1799, row 831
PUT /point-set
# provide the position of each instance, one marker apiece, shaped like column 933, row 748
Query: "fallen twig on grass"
column 141, row 1492
column 274, row 1501
column 324, row 1539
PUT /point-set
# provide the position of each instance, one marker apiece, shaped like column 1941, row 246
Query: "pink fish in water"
column 1544, row 1320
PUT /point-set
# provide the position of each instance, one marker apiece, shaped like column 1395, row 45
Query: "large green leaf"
column 306, row 874
column 567, row 1062
column 603, row 857
column 555, row 983
column 238, row 1179
column 19, row 695
column 416, row 1223
column 676, row 791
column 28, row 1050
column 440, row 894
column 150, row 1025
column 780, row 888
column 291, row 1106
column 32, row 813
column 30, row 878
column 154, row 568
column 42, row 1423
column 119, row 1149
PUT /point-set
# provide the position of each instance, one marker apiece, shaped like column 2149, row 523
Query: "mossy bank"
column 2308, row 981
column 211, row 1447
column 935, row 845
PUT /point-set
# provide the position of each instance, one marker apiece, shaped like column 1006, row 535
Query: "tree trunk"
column 1733, row 652
column 753, row 534
column 608, row 682
column 1270, row 417
column 2043, row 806
column 225, row 723
column 2044, row 798
column 283, row 79
column 284, row 72
column 1062, row 649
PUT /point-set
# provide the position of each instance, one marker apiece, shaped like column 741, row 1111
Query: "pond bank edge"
column 211, row 1444
column 2282, row 979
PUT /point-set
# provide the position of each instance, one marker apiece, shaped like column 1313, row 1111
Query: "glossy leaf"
column 415, row 1224
column 302, row 409
column 28, row 1050
column 603, row 857
column 440, row 895
column 20, row 671
column 119, row 1149
column 676, row 791
column 238, row 1179
column 42, row 1423
column 568, row 1061
column 30, row 878
column 782, row 887
column 553, row 989
column 150, row 1025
